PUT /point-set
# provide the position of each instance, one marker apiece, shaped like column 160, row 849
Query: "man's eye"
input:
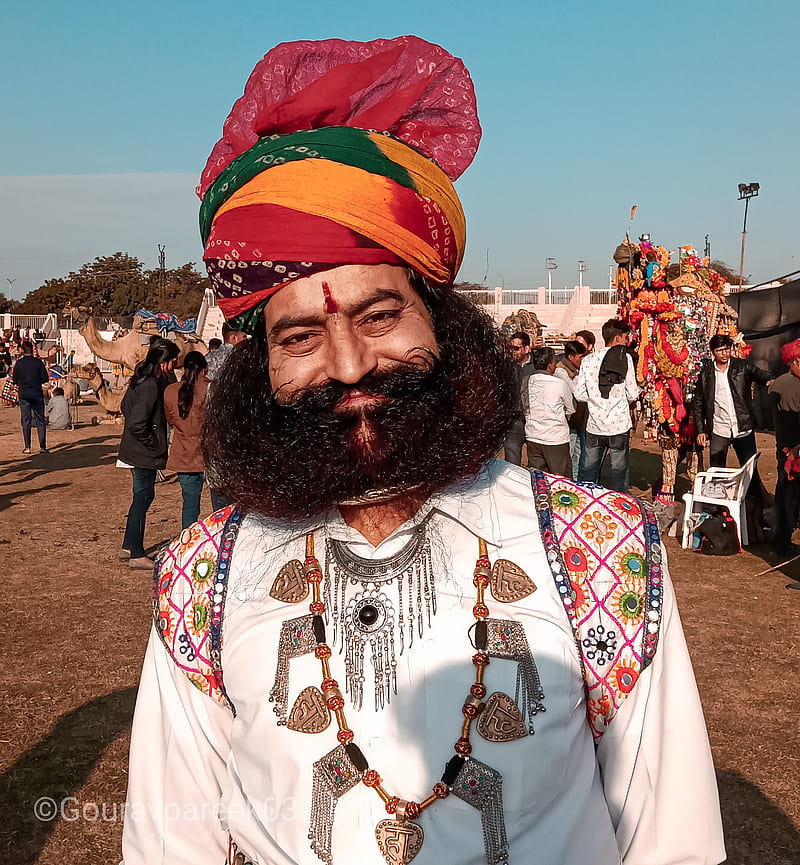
column 297, row 340
column 381, row 316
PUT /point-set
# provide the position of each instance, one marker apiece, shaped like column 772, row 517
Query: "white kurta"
column 647, row 796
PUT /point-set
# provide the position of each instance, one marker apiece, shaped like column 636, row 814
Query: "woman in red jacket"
column 185, row 406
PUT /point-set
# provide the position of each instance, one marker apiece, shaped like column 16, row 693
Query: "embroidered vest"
column 603, row 549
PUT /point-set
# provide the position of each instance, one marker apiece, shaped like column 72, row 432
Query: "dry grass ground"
column 77, row 621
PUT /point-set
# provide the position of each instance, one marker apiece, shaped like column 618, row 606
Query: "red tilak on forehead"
column 331, row 306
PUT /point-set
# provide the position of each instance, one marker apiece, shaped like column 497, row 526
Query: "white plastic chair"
column 730, row 491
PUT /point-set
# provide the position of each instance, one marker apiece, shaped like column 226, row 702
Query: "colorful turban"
column 338, row 153
column 790, row 351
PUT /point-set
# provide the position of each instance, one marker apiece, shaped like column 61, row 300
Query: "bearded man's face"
column 357, row 383
column 344, row 329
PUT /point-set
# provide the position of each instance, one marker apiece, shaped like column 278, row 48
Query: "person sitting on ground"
column 59, row 411
column 548, row 405
column 185, row 406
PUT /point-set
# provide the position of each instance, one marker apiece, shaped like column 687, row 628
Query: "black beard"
column 429, row 429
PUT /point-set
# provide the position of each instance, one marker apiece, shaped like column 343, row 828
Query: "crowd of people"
column 575, row 411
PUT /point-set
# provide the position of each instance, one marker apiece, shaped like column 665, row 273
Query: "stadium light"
column 746, row 192
column 551, row 266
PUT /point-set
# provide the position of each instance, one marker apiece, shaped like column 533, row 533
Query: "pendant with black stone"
column 368, row 621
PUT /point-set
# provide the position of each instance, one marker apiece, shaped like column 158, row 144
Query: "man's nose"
column 350, row 356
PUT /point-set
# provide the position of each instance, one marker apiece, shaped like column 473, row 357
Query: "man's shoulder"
column 188, row 596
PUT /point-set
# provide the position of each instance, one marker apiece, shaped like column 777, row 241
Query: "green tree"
column 119, row 285
column 7, row 304
column 95, row 284
column 182, row 294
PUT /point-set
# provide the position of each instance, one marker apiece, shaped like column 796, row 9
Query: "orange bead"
column 371, row 778
column 441, row 790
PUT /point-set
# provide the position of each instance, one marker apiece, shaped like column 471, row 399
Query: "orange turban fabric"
column 338, row 153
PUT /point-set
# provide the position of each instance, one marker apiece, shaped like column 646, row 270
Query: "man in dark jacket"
column 29, row 375
column 523, row 369
column 784, row 397
column 723, row 403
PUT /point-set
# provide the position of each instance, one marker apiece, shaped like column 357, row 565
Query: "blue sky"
column 111, row 109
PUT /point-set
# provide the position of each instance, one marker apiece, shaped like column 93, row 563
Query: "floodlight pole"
column 744, row 238
column 551, row 266
column 746, row 192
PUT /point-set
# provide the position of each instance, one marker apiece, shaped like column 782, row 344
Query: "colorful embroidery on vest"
column 191, row 580
column 605, row 555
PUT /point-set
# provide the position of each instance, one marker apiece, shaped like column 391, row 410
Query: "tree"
column 7, row 304
column 119, row 285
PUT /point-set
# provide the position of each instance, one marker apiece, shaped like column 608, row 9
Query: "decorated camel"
column 127, row 350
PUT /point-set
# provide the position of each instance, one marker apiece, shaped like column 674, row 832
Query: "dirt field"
column 77, row 623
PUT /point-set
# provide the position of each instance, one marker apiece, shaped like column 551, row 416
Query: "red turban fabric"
column 338, row 153
column 790, row 351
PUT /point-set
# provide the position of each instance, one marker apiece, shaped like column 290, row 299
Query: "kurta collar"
column 473, row 504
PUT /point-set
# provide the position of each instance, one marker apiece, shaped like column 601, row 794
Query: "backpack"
column 718, row 535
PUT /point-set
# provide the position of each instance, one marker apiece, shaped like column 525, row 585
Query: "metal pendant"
column 509, row 583
column 297, row 639
column 501, row 720
column 506, row 639
column 290, row 586
column 309, row 713
column 481, row 786
column 399, row 842
column 334, row 774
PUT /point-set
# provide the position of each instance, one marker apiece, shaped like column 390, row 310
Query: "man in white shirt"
column 548, row 405
column 317, row 684
column 607, row 383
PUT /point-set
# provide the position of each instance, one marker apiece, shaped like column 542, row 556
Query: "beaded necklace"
column 399, row 838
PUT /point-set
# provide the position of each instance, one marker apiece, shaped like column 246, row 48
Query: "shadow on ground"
column 57, row 767
column 756, row 830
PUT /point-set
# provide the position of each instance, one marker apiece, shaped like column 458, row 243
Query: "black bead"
column 368, row 615
column 481, row 635
column 451, row 770
column 357, row 757
column 318, row 624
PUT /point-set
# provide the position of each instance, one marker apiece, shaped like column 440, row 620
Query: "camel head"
column 89, row 371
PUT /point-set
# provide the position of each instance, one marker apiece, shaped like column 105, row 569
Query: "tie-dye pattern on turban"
column 338, row 153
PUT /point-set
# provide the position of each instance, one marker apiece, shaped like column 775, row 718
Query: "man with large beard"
column 333, row 660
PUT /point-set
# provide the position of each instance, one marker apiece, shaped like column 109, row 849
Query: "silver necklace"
column 370, row 617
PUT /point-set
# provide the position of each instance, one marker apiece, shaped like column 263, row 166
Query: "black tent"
column 768, row 318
